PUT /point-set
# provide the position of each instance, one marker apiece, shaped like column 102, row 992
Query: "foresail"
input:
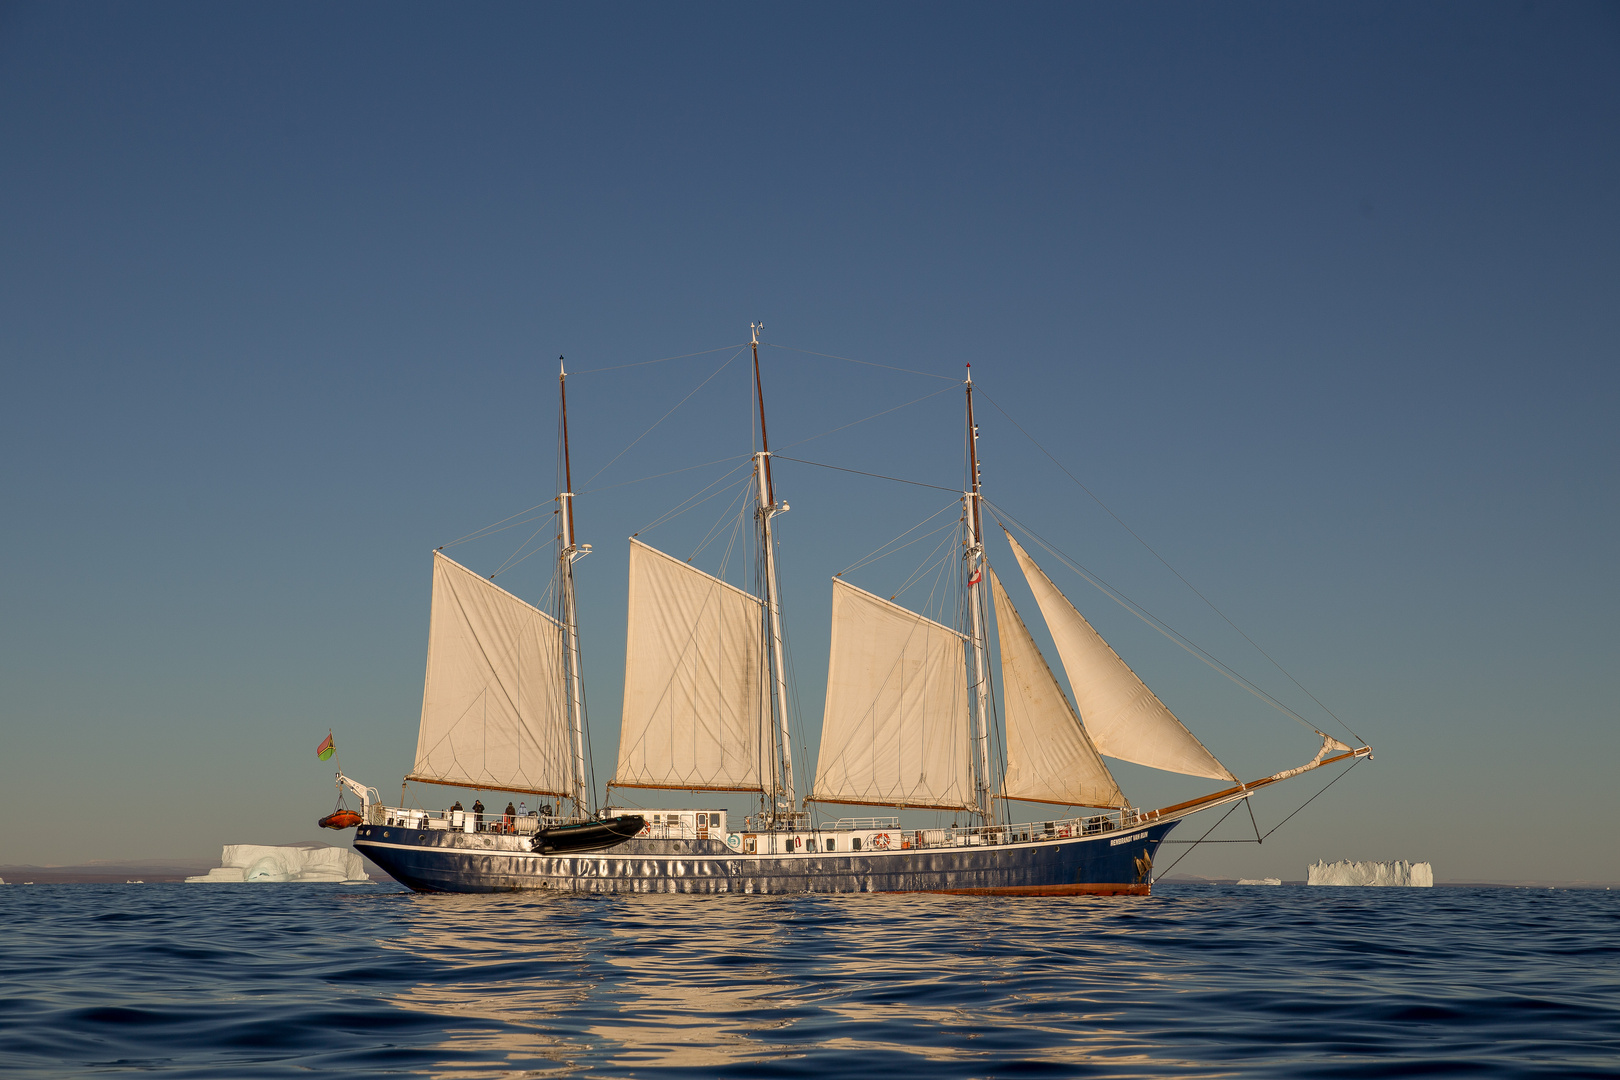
column 1122, row 716
column 494, row 711
column 895, row 728
column 1049, row 757
column 696, row 695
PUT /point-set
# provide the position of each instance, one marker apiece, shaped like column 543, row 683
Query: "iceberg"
column 1260, row 881
column 287, row 862
column 1418, row 875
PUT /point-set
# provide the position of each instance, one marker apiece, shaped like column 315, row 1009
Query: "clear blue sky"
column 1322, row 300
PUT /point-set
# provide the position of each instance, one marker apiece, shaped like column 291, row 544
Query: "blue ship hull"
column 1109, row 863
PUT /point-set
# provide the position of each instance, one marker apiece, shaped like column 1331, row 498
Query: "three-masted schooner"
column 907, row 724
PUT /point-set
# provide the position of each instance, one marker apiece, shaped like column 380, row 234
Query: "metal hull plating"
column 438, row 861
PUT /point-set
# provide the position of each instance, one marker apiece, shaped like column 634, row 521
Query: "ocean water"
column 1196, row 981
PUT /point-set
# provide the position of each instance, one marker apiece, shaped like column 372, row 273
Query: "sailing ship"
column 907, row 724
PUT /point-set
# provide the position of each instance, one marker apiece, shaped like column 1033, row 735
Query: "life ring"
column 881, row 841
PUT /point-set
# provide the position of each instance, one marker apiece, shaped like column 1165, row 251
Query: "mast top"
column 560, row 369
column 755, row 328
column 970, row 374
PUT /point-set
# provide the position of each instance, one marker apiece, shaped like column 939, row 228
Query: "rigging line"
column 693, row 505
column 493, row 530
column 660, row 476
column 931, row 562
column 839, row 468
column 940, row 590
column 867, row 562
column 660, row 360
column 851, row 359
column 512, row 559
column 1153, row 620
column 719, row 524
column 863, row 420
column 1170, row 568
column 1312, row 799
column 1200, row 840
column 691, row 500
column 666, row 416
column 863, row 560
column 476, row 533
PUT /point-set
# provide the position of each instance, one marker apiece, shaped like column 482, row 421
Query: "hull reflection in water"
column 801, row 986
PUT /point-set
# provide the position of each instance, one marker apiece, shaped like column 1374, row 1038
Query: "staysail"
column 494, row 711
column 1122, row 716
column 696, row 693
column 1049, row 757
column 895, row 728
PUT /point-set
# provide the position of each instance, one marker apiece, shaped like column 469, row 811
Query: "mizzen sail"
column 696, row 690
column 895, row 728
column 1049, row 757
column 1122, row 716
column 494, row 711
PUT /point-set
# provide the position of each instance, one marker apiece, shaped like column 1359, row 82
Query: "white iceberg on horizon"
column 290, row 862
column 1260, row 881
column 1398, row 873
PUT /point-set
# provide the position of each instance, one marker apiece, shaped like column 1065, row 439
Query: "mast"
column 569, row 551
column 766, row 510
column 975, row 557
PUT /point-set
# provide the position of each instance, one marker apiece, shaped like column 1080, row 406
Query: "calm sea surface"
column 298, row 980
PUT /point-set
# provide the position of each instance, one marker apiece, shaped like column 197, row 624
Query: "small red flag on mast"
column 327, row 747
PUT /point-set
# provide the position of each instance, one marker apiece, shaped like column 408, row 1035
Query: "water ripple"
column 1197, row 981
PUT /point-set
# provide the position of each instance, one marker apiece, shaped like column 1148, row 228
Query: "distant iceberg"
column 1418, row 875
column 292, row 862
column 1260, row 881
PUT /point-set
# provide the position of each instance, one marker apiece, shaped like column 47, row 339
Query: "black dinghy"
column 587, row 835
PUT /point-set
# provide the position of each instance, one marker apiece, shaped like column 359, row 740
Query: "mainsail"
column 696, row 694
column 1049, row 757
column 895, row 728
column 494, row 711
column 1124, row 718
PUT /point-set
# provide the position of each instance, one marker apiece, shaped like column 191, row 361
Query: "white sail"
column 1124, row 718
column 1049, row 757
column 696, row 693
column 895, row 729
column 494, row 711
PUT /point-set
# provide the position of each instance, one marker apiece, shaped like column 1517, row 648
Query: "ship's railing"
column 846, row 823
column 778, row 821
column 1027, row 832
column 462, row 820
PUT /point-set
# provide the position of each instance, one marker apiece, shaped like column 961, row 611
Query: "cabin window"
column 714, row 819
column 832, row 845
column 855, row 844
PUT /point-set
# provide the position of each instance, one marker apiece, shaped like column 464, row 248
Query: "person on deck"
column 506, row 822
column 478, row 815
